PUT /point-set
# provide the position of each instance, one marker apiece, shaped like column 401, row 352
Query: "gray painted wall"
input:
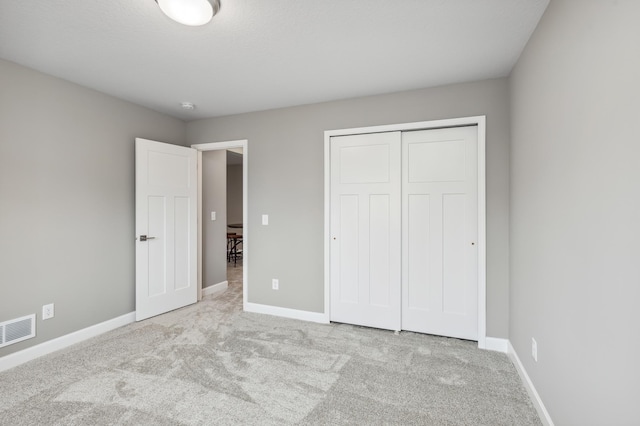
column 234, row 194
column 575, row 211
column 286, row 170
column 214, row 232
column 67, row 200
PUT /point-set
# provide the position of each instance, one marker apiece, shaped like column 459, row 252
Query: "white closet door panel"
column 439, row 282
column 366, row 230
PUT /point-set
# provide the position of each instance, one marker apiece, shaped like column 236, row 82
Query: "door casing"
column 480, row 122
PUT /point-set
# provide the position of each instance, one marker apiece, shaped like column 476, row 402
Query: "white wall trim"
column 327, row 227
column 496, row 344
column 221, row 286
column 200, row 227
column 482, row 231
column 213, row 146
column 286, row 312
column 45, row 348
column 480, row 122
column 545, row 418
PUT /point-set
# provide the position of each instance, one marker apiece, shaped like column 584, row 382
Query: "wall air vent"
column 17, row 330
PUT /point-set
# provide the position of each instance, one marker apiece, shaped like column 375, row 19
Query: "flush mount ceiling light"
column 190, row 12
column 188, row 105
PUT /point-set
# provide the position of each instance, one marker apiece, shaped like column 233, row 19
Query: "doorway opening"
column 234, row 250
column 239, row 220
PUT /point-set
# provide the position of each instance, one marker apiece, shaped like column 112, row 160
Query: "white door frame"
column 480, row 122
column 215, row 146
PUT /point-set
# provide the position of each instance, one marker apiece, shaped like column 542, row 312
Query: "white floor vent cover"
column 17, row 330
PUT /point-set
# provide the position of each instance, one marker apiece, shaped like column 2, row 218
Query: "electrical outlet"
column 47, row 311
column 275, row 284
column 534, row 349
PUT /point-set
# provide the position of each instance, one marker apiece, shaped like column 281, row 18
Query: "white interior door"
column 365, row 230
column 166, row 227
column 440, row 232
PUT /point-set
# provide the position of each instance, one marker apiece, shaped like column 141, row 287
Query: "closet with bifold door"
column 404, row 230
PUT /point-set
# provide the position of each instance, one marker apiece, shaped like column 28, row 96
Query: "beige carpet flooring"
column 212, row 364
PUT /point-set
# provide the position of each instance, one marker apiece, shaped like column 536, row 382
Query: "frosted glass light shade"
column 190, row 12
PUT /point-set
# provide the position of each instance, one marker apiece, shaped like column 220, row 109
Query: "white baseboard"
column 285, row 312
column 496, row 344
column 215, row 288
column 25, row 355
column 528, row 384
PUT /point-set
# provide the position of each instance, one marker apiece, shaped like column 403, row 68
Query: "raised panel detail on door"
column 364, row 164
column 366, row 230
column 419, row 276
column 182, row 212
column 439, row 256
column 454, row 243
column 436, row 161
column 157, row 225
column 379, row 255
column 347, row 245
column 166, row 170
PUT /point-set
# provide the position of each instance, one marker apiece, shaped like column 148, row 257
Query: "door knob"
column 145, row 238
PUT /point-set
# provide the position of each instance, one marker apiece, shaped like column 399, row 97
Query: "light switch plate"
column 213, row 215
column 265, row 219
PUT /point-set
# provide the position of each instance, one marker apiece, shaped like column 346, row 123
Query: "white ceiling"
column 259, row 54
